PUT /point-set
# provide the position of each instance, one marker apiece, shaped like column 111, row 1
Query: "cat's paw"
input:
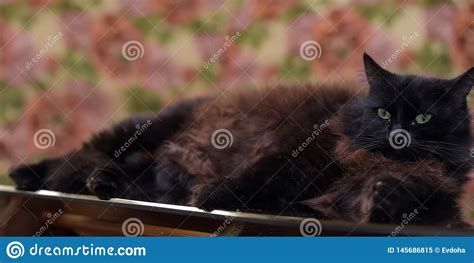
column 29, row 176
column 215, row 196
column 106, row 183
column 390, row 201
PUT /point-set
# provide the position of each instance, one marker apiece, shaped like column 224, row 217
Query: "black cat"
column 332, row 151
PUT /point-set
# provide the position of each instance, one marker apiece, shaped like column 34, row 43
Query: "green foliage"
column 253, row 35
column 153, row 27
column 11, row 102
column 67, row 6
column 296, row 11
column 295, row 67
column 209, row 24
column 209, row 74
column 383, row 12
column 79, row 66
column 141, row 100
column 5, row 180
column 10, row 12
column 18, row 12
column 433, row 2
column 434, row 57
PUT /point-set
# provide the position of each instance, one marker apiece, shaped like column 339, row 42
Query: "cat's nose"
column 396, row 126
column 399, row 138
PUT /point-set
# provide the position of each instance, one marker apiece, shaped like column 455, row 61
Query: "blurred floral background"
column 63, row 68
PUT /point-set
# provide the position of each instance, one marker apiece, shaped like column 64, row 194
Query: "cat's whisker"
column 442, row 153
column 438, row 142
column 450, row 150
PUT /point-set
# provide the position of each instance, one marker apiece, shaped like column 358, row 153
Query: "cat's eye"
column 423, row 118
column 384, row 114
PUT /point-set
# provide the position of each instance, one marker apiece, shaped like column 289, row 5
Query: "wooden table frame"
column 26, row 213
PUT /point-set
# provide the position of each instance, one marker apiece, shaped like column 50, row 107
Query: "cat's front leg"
column 32, row 177
column 144, row 179
column 106, row 150
column 217, row 195
column 66, row 173
column 123, row 180
column 390, row 201
column 394, row 200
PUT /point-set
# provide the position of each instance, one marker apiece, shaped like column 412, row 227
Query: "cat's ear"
column 376, row 75
column 462, row 85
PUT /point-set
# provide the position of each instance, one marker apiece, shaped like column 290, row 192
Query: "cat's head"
column 410, row 117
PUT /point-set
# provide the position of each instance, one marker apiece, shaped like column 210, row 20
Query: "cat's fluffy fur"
column 285, row 150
